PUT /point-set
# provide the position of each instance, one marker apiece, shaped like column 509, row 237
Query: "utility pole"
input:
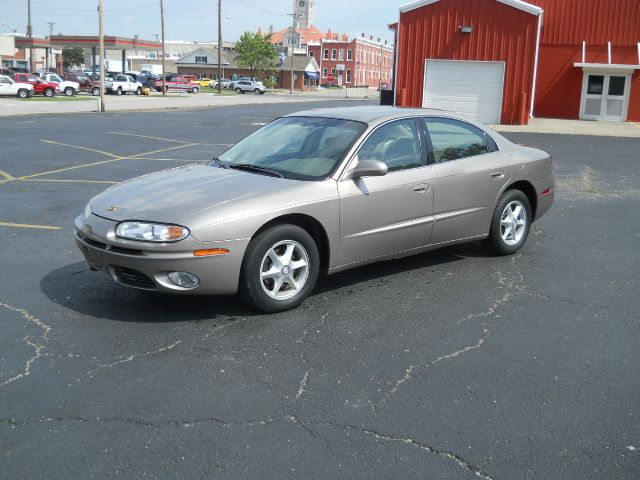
column 164, row 88
column 294, row 17
column 51, row 24
column 101, row 55
column 219, row 46
column 30, row 36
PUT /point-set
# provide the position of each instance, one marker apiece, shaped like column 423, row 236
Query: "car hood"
column 171, row 196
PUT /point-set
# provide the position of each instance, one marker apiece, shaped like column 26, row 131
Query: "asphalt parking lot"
column 448, row 365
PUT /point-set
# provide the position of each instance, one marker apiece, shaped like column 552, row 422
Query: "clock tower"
column 305, row 12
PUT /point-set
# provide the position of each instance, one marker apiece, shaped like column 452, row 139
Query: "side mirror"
column 367, row 168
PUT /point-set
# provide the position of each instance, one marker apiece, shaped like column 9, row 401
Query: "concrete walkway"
column 155, row 101
column 575, row 127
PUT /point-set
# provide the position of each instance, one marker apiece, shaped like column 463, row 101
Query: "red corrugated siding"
column 594, row 21
column 633, row 115
column 501, row 33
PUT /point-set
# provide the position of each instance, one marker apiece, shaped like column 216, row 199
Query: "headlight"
column 87, row 210
column 151, row 232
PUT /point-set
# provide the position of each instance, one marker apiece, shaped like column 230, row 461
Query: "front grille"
column 133, row 278
column 109, row 248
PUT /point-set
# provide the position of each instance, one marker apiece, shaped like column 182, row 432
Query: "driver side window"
column 397, row 144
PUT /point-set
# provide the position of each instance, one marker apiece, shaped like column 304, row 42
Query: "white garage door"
column 473, row 89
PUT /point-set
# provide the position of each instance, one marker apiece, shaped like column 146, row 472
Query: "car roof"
column 373, row 113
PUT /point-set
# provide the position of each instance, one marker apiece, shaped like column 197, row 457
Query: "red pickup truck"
column 40, row 87
column 181, row 82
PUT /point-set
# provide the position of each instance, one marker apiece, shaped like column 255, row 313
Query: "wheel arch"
column 529, row 190
column 312, row 226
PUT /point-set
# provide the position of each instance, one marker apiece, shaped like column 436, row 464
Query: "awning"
column 607, row 67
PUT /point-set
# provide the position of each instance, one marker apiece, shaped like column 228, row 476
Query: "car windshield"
column 300, row 148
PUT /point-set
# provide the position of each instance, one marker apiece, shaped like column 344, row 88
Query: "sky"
column 194, row 20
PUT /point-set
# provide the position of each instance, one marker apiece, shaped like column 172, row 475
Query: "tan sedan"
column 317, row 191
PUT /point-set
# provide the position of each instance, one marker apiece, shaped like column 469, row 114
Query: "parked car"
column 232, row 84
column 40, row 87
column 88, row 82
column 204, row 82
column 319, row 190
column 67, row 87
column 148, row 81
column 187, row 83
column 244, row 86
column 123, row 84
column 8, row 86
column 225, row 83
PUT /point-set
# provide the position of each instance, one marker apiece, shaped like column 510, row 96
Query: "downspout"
column 535, row 66
column 395, row 62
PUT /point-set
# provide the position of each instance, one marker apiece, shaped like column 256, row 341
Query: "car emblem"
column 112, row 208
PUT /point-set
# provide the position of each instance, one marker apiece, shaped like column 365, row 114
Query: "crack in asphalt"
column 39, row 348
column 129, row 358
column 289, row 418
column 303, row 384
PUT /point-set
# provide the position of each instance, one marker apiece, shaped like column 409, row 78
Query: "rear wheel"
column 139, row 91
column 95, row 91
column 195, row 90
column 238, row 90
column 23, row 93
column 280, row 269
column 119, row 91
column 510, row 223
column 48, row 92
column 69, row 91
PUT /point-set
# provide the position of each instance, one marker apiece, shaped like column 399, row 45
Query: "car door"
column 390, row 213
column 469, row 172
column 5, row 86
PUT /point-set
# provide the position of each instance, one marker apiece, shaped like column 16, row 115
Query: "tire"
column 138, row 91
column 510, row 224
column 238, row 90
column 119, row 91
column 273, row 292
column 48, row 92
column 257, row 91
column 23, row 93
column 69, row 91
column 95, row 91
column 195, row 90
column 166, row 89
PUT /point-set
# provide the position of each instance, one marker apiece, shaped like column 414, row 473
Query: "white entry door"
column 605, row 97
column 470, row 88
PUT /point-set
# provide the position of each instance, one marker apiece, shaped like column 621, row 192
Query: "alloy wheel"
column 513, row 223
column 284, row 270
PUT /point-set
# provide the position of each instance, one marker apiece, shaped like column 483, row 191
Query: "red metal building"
column 506, row 60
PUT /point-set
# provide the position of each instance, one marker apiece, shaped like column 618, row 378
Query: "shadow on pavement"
column 79, row 289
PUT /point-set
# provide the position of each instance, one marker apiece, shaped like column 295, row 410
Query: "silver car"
column 317, row 191
column 244, row 86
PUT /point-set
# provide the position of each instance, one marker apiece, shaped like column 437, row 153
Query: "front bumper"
column 145, row 266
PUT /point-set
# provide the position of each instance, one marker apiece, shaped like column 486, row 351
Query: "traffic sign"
column 331, row 77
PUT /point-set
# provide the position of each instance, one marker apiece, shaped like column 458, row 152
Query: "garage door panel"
column 466, row 87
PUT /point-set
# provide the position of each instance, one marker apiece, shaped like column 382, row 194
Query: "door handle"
column 497, row 175
column 422, row 188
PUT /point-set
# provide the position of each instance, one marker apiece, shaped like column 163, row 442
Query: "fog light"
column 183, row 279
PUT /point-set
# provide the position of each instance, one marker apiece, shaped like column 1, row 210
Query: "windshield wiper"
column 220, row 163
column 255, row 168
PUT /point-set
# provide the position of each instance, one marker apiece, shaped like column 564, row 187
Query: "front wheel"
column 238, row 90
column 48, row 92
column 119, row 91
column 280, row 269
column 138, row 91
column 23, row 93
column 195, row 90
column 95, row 91
column 510, row 223
column 69, row 91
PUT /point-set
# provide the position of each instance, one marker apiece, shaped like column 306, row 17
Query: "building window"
column 324, row 72
column 326, row 54
column 348, row 76
column 341, row 54
column 349, row 54
column 311, row 54
column 201, row 59
column 333, row 54
column 333, row 72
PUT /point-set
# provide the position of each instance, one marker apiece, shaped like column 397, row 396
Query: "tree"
column 72, row 57
column 256, row 52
